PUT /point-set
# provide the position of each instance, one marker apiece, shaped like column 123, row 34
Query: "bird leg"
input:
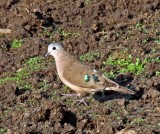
column 82, row 100
column 69, row 95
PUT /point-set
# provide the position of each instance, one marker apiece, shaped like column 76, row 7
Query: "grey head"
column 54, row 49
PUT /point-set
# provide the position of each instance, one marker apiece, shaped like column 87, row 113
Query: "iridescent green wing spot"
column 86, row 78
column 95, row 78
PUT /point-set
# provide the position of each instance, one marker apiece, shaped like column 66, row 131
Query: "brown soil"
column 35, row 111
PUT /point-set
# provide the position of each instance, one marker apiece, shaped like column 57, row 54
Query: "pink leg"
column 80, row 100
column 69, row 95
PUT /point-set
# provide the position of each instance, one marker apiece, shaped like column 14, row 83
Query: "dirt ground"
column 83, row 26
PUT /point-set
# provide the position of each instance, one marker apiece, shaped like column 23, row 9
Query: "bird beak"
column 46, row 55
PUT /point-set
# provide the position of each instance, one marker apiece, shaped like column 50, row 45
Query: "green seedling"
column 117, row 115
column 16, row 43
column 157, row 41
column 157, row 73
column 138, row 25
column 65, row 34
column 69, row 101
column 43, row 85
column 153, row 59
column 3, row 130
column 144, row 30
column 145, row 41
column 80, row 22
column 1, row 35
column 34, row 63
column 138, row 121
column 141, row 27
column 5, row 113
column 126, row 64
column 95, row 115
column 86, row 2
column 32, row 102
column 53, row 95
column 20, row 76
column 109, row 74
column 65, row 88
column 90, row 56
column 46, row 32
column 157, row 32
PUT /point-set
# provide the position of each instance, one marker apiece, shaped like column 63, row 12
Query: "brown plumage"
column 72, row 72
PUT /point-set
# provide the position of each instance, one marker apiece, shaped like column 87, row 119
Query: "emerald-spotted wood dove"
column 80, row 77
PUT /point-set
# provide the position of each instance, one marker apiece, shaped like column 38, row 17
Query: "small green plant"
column 152, row 59
column 90, row 56
column 1, row 35
column 69, row 101
column 21, row 82
column 86, row 2
column 34, row 63
column 65, row 34
column 117, row 115
column 3, row 130
column 157, row 73
column 126, row 64
column 138, row 121
column 109, row 74
column 22, row 74
column 46, row 32
column 157, row 41
column 95, row 115
column 65, row 89
column 16, row 43
column 144, row 30
column 80, row 22
column 157, row 59
column 5, row 113
column 32, row 102
column 141, row 27
column 53, row 95
column 145, row 41
column 157, row 32
column 43, row 85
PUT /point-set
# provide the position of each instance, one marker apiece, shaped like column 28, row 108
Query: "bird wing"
column 75, row 73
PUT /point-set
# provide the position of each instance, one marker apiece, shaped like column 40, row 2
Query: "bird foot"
column 80, row 102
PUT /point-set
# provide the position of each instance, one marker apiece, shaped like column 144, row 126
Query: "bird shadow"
column 109, row 95
column 123, row 80
column 112, row 95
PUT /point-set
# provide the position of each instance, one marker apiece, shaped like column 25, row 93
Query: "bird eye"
column 54, row 48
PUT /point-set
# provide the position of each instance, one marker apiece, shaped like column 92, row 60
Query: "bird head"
column 54, row 49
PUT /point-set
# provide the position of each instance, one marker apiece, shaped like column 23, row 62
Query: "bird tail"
column 121, row 89
column 116, row 87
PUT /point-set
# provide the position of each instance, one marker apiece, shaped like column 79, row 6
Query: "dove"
column 80, row 77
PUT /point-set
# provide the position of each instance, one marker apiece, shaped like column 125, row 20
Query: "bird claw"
column 80, row 101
